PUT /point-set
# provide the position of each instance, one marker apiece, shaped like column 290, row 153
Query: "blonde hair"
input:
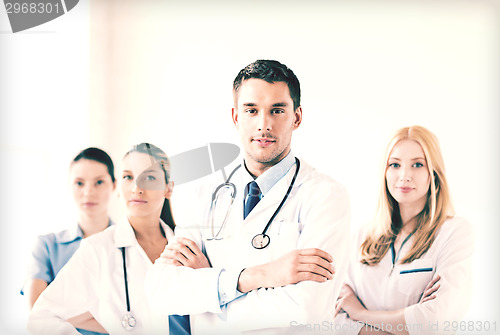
column 437, row 209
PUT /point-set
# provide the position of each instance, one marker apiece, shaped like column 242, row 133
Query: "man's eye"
column 277, row 111
column 251, row 111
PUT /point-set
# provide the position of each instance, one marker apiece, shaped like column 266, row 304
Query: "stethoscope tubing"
column 263, row 235
column 125, row 279
column 284, row 199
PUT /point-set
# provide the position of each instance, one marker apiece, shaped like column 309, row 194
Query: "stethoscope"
column 128, row 320
column 259, row 241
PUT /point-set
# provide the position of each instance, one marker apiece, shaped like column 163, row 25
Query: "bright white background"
column 117, row 74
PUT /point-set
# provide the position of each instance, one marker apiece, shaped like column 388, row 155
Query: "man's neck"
column 256, row 168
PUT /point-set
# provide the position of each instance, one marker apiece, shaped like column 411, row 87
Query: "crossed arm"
column 182, row 281
column 35, row 287
column 349, row 302
column 446, row 297
column 298, row 265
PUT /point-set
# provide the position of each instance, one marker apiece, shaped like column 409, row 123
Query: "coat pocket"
column 414, row 277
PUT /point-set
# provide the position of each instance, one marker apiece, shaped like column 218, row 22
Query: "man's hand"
column 293, row 267
column 185, row 252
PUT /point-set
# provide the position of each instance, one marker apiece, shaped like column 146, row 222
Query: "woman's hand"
column 348, row 302
column 185, row 252
column 430, row 289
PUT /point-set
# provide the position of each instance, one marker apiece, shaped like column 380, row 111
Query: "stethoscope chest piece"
column 128, row 321
column 260, row 241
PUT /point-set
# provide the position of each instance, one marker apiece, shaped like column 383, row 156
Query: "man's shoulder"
column 312, row 178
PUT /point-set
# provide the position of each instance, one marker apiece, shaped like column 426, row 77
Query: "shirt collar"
column 270, row 177
column 70, row 235
column 73, row 234
column 125, row 236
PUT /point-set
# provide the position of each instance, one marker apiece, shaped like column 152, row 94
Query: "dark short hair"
column 270, row 71
column 97, row 155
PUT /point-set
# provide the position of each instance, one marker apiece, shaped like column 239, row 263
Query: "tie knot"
column 253, row 189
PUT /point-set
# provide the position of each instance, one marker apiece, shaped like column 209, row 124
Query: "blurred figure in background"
column 92, row 182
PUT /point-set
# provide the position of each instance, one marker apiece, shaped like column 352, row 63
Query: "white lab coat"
column 93, row 281
column 315, row 215
column 380, row 289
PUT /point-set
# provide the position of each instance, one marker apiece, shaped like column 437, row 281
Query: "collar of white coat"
column 278, row 190
column 125, row 236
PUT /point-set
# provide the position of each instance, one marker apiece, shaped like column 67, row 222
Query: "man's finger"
column 316, row 252
column 319, row 261
column 315, row 269
column 193, row 247
column 311, row 276
column 182, row 249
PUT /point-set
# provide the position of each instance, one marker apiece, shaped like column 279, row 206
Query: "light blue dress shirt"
column 51, row 252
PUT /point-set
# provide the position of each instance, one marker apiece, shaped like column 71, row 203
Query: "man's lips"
column 264, row 141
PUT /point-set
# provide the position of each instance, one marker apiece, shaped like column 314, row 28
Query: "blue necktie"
column 253, row 197
column 179, row 325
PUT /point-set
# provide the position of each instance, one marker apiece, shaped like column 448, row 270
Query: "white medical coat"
column 93, row 281
column 315, row 215
column 380, row 288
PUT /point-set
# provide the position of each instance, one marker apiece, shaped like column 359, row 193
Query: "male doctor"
column 236, row 276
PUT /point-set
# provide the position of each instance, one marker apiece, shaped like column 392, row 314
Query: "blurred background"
column 115, row 73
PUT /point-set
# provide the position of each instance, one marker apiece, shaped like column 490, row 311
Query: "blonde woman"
column 412, row 271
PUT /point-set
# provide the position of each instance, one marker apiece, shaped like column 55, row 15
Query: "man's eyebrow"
column 278, row 104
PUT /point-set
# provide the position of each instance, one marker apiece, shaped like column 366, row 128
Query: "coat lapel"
column 264, row 210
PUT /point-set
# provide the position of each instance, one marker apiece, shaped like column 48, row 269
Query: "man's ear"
column 298, row 117
column 234, row 114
